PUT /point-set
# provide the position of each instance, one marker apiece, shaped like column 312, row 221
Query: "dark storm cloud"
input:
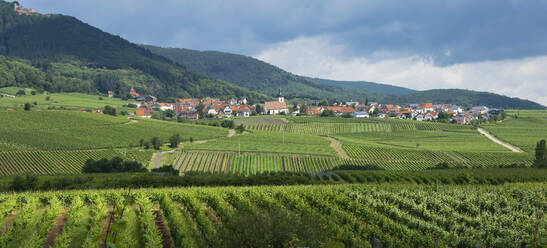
column 450, row 32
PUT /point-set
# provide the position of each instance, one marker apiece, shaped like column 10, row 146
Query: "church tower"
column 280, row 97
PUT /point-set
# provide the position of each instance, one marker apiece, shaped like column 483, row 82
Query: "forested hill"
column 368, row 86
column 257, row 75
column 65, row 48
column 466, row 98
column 263, row 77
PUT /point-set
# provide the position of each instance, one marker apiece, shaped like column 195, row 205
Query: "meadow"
column 396, row 215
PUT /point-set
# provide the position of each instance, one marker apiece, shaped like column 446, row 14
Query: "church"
column 276, row 107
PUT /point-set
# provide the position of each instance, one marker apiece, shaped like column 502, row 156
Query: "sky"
column 498, row 46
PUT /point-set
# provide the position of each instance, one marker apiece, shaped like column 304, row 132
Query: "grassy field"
column 335, row 216
column 524, row 131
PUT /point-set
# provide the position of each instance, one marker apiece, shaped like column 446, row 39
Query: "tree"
column 227, row 124
column 328, row 113
column 141, row 142
column 48, row 98
column 170, row 113
column 109, row 110
column 27, row 106
column 240, row 128
column 20, row 93
column 147, row 145
column 33, row 92
column 541, row 155
column 174, row 140
column 156, row 143
column 324, row 103
column 366, row 101
column 259, row 108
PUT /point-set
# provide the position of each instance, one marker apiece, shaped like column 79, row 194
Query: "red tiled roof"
column 275, row 105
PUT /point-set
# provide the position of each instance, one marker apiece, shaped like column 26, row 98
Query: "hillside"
column 87, row 59
column 368, row 86
column 260, row 76
column 256, row 75
column 465, row 98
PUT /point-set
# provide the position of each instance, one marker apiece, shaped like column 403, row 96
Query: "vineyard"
column 342, row 215
column 524, row 131
column 70, row 130
column 60, row 162
column 269, row 142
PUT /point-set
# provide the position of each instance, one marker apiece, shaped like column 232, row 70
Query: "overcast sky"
column 490, row 45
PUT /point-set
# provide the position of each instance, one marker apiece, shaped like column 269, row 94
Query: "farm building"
column 361, row 114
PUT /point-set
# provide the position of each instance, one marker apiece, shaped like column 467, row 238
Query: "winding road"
column 495, row 140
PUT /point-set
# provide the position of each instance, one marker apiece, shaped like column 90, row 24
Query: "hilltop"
column 265, row 78
column 75, row 56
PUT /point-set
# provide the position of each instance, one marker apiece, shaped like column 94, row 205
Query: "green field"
column 315, row 216
column 524, row 131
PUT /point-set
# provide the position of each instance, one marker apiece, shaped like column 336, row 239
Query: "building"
column 426, row 106
column 110, row 93
column 361, row 115
column 276, row 107
column 340, row 110
column 479, row 110
column 163, row 106
column 143, row 112
column 133, row 93
column 243, row 111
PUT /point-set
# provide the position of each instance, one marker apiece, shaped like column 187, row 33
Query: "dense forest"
column 67, row 49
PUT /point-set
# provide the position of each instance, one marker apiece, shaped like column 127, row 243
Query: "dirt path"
column 162, row 228
column 495, row 140
column 337, row 146
column 157, row 161
column 231, row 133
column 55, row 231
column 8, row 223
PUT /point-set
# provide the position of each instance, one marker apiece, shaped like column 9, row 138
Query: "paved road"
column 492, row 138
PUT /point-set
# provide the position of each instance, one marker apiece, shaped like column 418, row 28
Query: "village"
column 196, row 108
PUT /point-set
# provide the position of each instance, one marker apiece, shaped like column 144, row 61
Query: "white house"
column 276, row 107
column 227, row 111
column 361, row 114
column 163, row 106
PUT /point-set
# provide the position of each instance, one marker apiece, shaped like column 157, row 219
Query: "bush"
column 20, row 93
column 174, row 141
column 109, row 110
column 33, row 93
column 166, row 170
column 27, row 106
column 28, row 182
column 156, row 143
column 48, row 98
column 114, row 165
column 227, row 124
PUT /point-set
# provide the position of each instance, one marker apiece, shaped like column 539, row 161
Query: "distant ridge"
column 265, row 78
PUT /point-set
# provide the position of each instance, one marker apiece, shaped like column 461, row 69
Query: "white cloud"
column 319, row 57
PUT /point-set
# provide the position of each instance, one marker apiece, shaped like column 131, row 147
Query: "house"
column 232, row 101
column 340, row 110
column 227, row 111
column 243, row 111
column 361, row 115
column 431, row 115
column 455, row 108
column 110, row 93
column 314, row 110
column 426, row 106
column 189, row 114
column 133, row 93
column 461, row 119
column 212, row 111
column 382, row 116
column 276, row 107
column 420, row 117
column 352, row 103
column 242, row 101
column 362, row 108
column 150, row 99
column 479, row 110
column 143, row 112
column 402, row 116
column 163, row 106
column 445, row 107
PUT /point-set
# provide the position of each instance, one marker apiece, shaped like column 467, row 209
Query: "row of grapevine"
column 59, row 162
column 342, row 215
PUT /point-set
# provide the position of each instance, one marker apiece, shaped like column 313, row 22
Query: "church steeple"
column 280, row 97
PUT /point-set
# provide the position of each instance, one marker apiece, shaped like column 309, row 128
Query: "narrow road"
column 157, row 162
column 337, row 146
column 495, row 140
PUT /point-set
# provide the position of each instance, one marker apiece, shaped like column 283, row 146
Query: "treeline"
column 167, row 177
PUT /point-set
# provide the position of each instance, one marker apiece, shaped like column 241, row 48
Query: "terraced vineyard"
column 343, row 215
column 60, row 162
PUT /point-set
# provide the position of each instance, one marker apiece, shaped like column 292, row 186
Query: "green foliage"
column 109, row 110
column 156, row 143
column 174, row 140
column 27, row 106
column 541, row 155
column 114, row 165
column 22, row 183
